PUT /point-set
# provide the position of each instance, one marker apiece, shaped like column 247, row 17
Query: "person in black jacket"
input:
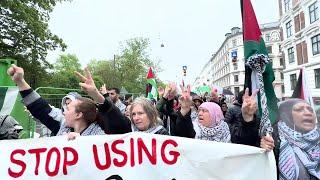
column 165, row 106
column 79, row 115
column 41, row 110
column 233, row 111
column 143, row 114
column 208, row 125
column 245, row 131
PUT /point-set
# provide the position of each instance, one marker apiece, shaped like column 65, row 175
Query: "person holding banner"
column 297, row 141
column 80, row 115
column 209, row 124
column 143, row 114
column 144, row 117
column 114, row 122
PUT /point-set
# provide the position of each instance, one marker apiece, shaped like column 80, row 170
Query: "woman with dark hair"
column 297, row 140
column 80, row 115
column 224, row 108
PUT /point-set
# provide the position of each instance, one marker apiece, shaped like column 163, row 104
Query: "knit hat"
column 196, row 97
column 215, row 111
column 72, row 96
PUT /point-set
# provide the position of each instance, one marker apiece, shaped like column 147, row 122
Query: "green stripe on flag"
column 154, row 90
column 11, row 104
column 252, row 47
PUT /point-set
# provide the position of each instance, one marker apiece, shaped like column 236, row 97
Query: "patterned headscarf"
column 296, row 146
column 219, row 131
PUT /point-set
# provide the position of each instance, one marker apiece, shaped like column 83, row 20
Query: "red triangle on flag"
column 150, row 74
column 251, row 30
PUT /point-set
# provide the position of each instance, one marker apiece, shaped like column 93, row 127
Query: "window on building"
column 317, row 77
column 291, row 55
column 282, row 88
column 236, row 78
column 286, row 5
column 313, row 12
column 279, row 48
column 315, row 41
column 268, row 37
column 236, row 91
column 269, row 48
column 289, row 29
column 234, row 42
column 281, row 76
column 281, row 62
column 235, row 67
column 293, row 81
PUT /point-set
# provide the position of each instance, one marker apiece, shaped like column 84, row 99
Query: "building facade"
column 226, row 68
column 300, row 35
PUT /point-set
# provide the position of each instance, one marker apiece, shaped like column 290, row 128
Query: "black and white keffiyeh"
column 305, row 147
column 219, row 133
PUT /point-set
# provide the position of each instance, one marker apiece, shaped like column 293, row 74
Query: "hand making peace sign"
column 249, row 105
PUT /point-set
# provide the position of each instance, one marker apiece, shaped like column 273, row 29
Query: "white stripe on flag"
column 154, row 92
column 9, row 100
column 254, row 83
column 306, row 90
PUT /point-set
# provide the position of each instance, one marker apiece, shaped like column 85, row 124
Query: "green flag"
column 152, row 89
column 11, row 104
column 259, row 73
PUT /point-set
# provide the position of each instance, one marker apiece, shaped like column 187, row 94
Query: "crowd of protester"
column 295, row 139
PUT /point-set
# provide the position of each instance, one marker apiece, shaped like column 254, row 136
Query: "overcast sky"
column 191, row 30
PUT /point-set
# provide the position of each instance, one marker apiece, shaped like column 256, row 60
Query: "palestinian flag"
column 152, row 89
column 302, row 89
column 258, row 70
column 11, row 104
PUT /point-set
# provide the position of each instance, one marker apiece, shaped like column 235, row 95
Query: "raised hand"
column 185, row 99
column 249, row 105
column 72, row 135
column 214, row 95
column 87, row 85
column 160, row 91
column 170, row 91
column 17, row 75
column 103, row 89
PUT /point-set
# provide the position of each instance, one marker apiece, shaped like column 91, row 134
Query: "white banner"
column 132, row 156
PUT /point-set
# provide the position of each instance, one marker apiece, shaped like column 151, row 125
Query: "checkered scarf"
column 219, row 133
column 304, row 146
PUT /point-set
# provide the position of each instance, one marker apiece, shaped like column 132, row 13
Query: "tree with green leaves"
column 63, row 72
column 129, row 68
column 134, row 63
column 25, row 35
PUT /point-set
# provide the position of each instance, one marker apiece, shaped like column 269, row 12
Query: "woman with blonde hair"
column 144, row 117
